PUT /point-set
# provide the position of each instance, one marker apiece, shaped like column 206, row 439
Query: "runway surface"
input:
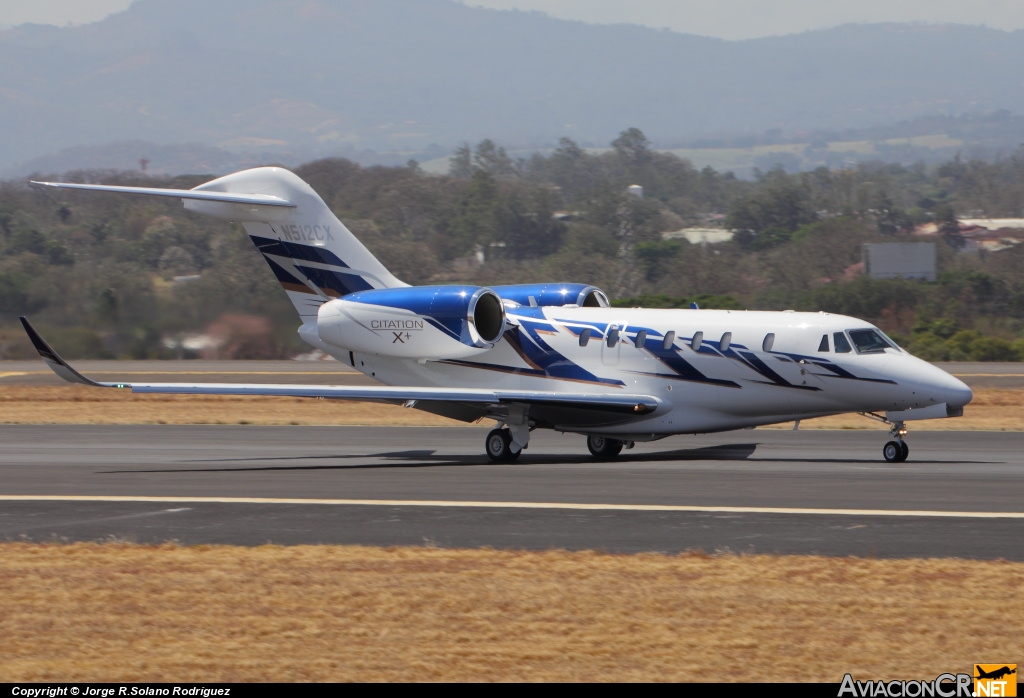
column 752, row 491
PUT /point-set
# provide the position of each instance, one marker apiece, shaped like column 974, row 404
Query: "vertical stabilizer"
column 313, row 255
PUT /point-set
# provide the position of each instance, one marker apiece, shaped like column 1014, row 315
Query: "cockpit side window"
column 842, row 344
column 869, row 342
column 824, row 343
column 887, row 338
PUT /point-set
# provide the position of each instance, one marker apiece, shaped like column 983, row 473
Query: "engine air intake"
column 487, row 316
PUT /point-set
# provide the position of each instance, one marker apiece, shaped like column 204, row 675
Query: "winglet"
column 59, row 366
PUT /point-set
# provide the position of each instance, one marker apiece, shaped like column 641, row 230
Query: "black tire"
column 603, row 447
column 893, row 452
column 906, row 451
column 498, row 446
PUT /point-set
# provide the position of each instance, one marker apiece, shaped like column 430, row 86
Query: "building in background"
column 900, row 260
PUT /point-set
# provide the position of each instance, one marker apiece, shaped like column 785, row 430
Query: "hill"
column 318, row 76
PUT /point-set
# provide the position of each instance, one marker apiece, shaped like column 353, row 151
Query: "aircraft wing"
column 552, row 407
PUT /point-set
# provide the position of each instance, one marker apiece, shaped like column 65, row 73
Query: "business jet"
column 547, row 355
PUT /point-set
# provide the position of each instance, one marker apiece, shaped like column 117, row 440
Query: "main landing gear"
column 499, row 446
column 603, row 448
column 896, row 451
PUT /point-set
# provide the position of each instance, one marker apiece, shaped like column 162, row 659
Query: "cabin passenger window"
column 585, row 337
column 613, row 337
column 824, row 343
column 842, row 344
column 769, row 341
column 695, row 343
column 641, row 337
column 726, row 340
column 670, row 339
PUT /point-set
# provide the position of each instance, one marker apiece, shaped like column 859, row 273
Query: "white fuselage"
column 747, row 384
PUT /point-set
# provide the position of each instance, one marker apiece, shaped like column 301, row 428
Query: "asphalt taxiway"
column 960, row 494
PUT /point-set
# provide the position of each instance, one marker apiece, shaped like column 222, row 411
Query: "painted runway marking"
column 515, row 505
column 65, row 524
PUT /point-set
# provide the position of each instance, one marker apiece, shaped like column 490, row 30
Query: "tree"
column 949, row 226
column 476, row 217
column 529, row 228
column 460, row 166
column 493, row 159
column 632, row 147
column 778, row 202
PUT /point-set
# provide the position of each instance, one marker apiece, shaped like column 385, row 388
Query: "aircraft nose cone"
column 954, row 391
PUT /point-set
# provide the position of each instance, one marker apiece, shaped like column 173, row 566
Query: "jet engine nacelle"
column 417, row 322
column 554, row 294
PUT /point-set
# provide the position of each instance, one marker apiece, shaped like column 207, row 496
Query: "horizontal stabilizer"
column 226, row 197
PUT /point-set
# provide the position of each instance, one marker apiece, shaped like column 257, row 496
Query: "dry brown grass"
column 991, row 410
column 117, row 612
column 79, row 404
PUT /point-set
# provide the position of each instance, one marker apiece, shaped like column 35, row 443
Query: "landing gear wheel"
column 895, row 451
column 499, row 446
column 601, row 447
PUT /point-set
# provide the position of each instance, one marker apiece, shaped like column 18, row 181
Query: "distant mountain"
column 316, row 76
column 195, row 158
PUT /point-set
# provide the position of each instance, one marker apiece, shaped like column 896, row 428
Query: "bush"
column 966, row 345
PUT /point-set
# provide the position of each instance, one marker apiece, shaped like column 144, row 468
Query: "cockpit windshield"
column 870, row 341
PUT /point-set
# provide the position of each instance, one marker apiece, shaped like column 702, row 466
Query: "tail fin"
column 312, row 254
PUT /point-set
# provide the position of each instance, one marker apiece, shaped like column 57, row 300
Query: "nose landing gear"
column 896, row 451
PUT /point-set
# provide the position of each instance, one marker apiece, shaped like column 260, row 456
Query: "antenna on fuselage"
column 694, row 306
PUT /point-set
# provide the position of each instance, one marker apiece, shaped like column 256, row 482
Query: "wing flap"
column 227, row 197
column 625, row 404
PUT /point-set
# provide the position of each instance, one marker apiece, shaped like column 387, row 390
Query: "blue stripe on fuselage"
column 836, row 369
column 684, row 370
column 540, row 356
column 307, row 253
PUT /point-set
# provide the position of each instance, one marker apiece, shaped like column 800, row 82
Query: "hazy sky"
column 730, row 19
